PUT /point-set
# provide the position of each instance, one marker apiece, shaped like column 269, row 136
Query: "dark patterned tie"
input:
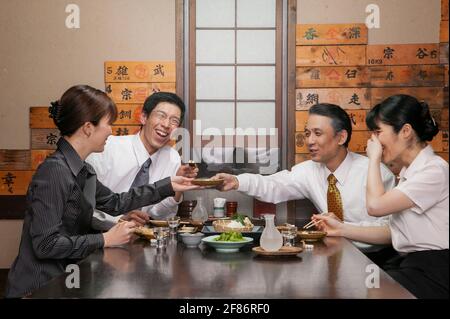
column 142, row 176
column 334, row 199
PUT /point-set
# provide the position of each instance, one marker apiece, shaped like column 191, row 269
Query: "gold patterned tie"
column 334, row 200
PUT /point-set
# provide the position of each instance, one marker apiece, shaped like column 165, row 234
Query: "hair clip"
column 54, row 111
column 434, row 122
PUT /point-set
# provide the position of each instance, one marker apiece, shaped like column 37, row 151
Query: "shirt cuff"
column 164, row 187
column 96, row 241
column 243, row 182
column 172, row 201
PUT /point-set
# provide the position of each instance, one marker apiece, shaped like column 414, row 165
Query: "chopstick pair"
column 311, row 224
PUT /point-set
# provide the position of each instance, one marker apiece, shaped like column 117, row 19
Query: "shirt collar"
column 342, row 171
column 417, row 163
column 141, row 152
column 74, row 160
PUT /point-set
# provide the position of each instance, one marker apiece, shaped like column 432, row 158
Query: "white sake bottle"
column 199, row 214
column 271, row 239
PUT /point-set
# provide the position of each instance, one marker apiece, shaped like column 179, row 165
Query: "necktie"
column 334, row 200
column 142, row 176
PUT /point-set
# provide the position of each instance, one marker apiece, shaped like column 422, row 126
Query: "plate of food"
column 220, row 227
column 238, row 223
column 311, row 235
column 284, row 251
column 228, row 242
column 207, row 182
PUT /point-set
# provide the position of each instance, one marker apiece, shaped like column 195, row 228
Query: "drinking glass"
column 289, row 234
column 173, row 222
column 160, row 234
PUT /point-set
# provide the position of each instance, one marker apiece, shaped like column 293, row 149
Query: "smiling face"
column 323, row 142
column 100, row 133
column 158, row 125
column 393, row 144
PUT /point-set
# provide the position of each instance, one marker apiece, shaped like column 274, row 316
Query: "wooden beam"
column 14, row 182
column 332, row 77
column 443, row 33
column 402, row 54
column 15, row 160
column 331, row 55
column 135, row 93
column 348, row 98
column 434, row 96
column 407, row 75
column 140, row 71
column 325, row 34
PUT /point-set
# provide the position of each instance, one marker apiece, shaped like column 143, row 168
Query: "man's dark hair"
column 153, row 100
column 339, row 118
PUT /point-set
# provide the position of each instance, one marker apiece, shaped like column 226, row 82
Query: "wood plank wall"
column 336, row 65
column 128, row 83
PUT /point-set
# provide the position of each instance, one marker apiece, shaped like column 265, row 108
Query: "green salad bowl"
column 226, row 246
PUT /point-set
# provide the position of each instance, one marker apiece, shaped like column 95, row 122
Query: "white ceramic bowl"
column 192, row 240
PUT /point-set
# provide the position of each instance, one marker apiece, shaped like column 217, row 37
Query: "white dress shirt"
column 309, row 180
column 425, row 225
column 117, row 166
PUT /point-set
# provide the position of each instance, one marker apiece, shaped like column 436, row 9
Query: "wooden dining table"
column 333, row 269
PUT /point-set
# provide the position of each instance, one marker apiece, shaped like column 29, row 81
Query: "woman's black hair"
column 81, row 104
column 401, row 109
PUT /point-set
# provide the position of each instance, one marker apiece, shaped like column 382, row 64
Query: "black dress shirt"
column 57, row 225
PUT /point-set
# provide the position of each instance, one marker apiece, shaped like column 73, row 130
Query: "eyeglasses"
column 162, row 116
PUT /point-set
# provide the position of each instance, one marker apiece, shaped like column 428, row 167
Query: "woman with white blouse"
column 418, row 206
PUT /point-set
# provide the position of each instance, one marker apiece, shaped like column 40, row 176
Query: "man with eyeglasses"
column 146, row 157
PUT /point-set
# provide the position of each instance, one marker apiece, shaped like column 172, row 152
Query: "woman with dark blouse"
column 64, row 191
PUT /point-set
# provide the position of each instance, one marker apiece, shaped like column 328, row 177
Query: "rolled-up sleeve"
column 275, row 188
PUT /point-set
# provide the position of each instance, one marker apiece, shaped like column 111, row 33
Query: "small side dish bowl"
column 191, row 240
